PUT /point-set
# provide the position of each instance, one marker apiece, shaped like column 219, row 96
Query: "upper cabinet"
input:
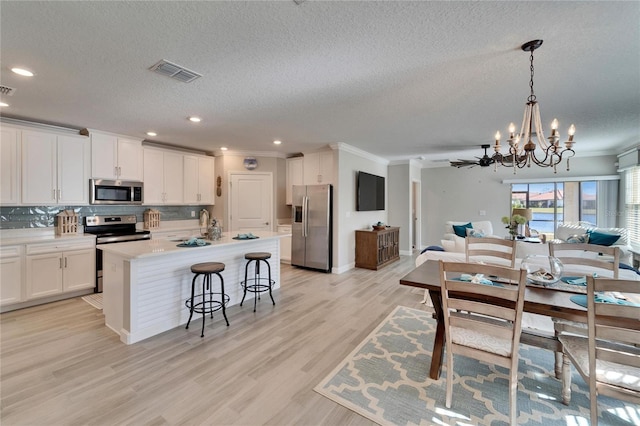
column 318, row 168
column 163, row 177
column 9, row 166
column 295, row 175
column 55, row 168
column 114, row 157
column 198, row 180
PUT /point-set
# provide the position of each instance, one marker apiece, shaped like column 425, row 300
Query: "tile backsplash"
column 44, row 216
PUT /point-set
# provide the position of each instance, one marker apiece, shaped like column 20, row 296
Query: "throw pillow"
column 461, row 230
column 602, row 239
column 578, row 239
column 475, row 233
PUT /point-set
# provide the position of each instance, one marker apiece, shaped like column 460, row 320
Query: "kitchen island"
column 147, row 282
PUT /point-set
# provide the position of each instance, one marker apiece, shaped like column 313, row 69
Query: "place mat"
column 480, row 280
column 581, row 300
column 575, row 280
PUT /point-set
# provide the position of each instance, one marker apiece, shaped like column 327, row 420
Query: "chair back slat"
column 506, row 292
column 505, row 313
column 489, row 250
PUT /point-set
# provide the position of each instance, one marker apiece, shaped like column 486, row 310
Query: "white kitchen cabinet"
column 199, row 180
column 55, row 168
column 115, row 157
column 318, row 168
column 9, row 166
column 285, row 243
column 163, row 177
column 54, row 268
column 10, row 275
column 295, row 176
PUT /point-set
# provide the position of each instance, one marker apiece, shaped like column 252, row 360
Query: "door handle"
column 266, row 223
column 65, row 262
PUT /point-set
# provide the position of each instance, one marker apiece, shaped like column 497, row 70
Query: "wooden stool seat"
column 207, row 268
column 257, row 256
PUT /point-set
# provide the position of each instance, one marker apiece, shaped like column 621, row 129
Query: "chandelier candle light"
column 520, row 155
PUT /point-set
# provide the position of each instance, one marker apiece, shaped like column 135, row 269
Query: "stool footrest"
column 206, row 303
column 257, row 285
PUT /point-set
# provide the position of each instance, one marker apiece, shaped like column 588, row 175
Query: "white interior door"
column 250, row 203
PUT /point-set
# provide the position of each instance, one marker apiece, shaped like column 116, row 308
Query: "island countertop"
column 160, row 247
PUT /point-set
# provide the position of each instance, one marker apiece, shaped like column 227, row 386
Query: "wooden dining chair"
column 483, row 320
column 602, row 260
column 608, row 359
column 495, row 251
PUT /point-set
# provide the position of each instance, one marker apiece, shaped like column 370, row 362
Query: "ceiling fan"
column 484, row 161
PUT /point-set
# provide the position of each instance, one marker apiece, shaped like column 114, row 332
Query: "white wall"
column 449, row 193
column 346, row 220
column 401, row 178
column 234, row 163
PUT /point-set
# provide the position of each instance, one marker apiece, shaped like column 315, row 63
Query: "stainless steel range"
column 111, row 229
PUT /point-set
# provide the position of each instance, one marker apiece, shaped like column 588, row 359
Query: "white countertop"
column 10, row 237
column 161, row 247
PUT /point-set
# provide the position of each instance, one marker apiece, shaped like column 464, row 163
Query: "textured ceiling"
column 397, row 79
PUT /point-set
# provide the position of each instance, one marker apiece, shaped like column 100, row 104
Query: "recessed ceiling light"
column 2, row 104
column 223, row 148
column 277, row 142
column 152, row 134
column 22, row 71
column 195, row 119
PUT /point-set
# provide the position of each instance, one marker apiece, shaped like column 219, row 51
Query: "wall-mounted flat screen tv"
column 369, row 192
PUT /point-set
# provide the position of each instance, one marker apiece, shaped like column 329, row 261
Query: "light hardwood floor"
column 61, row 366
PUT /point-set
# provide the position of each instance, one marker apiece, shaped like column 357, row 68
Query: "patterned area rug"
column 385, row 379
column 94, row 300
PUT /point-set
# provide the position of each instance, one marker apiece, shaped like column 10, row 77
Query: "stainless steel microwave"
column 103, row 191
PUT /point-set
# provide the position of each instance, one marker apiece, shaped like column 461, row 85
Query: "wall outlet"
column 193, row 213
column 482, row 212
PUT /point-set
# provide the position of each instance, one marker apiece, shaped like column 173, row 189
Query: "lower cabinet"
column 58, row 267
column 10, row 275
column 376, row 249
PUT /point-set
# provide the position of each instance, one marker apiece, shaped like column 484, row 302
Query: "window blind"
column 632, row 204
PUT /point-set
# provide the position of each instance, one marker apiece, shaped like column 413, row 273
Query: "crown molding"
column 341, row 146
column 229, row 153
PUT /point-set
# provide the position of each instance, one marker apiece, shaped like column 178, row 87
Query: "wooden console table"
column 376, row 249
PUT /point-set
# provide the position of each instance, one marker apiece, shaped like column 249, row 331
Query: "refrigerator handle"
column 305, row 216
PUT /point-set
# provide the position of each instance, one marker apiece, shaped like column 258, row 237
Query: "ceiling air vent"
column 7, row 91
column 175, row 71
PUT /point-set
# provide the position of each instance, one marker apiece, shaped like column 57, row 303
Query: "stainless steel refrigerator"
column 311, row 226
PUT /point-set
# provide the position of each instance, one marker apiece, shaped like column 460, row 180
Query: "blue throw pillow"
column 475, row 233
column 461, row 230
column 602, row 239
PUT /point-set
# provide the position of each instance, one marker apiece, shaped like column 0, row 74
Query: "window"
column 632, row 205
column 583, row 200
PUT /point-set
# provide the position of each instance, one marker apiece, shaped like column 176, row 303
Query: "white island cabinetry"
column 147, row 282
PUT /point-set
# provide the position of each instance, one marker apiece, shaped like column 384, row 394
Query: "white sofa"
column 566, row 230
column 453, row 243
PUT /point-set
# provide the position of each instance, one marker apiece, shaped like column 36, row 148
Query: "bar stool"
column 204, row 303
column 257, row 284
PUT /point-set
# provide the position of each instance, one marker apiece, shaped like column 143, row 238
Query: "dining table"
column 548, row 301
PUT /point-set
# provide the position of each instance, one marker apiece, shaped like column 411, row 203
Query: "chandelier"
column 522, row 146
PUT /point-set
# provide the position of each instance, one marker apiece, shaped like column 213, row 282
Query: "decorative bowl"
column 379, row 227
column 541, row 269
